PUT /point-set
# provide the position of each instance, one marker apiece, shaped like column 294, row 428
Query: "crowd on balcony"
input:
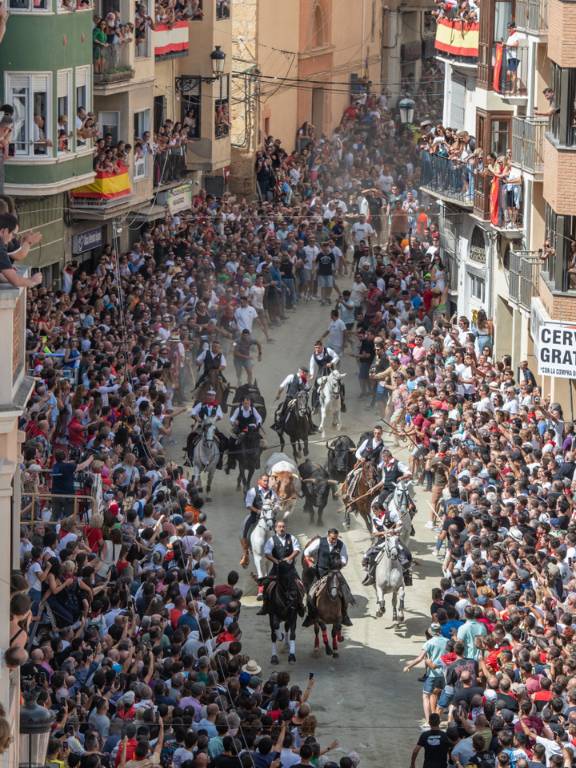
column 462, row 10
column 452, row 163
column 110, row 36
column 169, row 11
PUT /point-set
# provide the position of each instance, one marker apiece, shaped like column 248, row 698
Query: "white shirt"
column 336, row 331
column 267, row 493
column 313, row 365
column 369, row 442
column 202, row 356
column 246, row 414
column 362, row 231
column 257, row 295
column 312, row 549
column 401, row 466
column 245, row 317
column 269, row 546
column 196, row 411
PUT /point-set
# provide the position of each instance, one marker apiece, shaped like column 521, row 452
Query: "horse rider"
column 212, row 358
column 385, row 521
column 393, row 471
column 368, row 451
column 322, row 361
column 282, row 547
column 329, row 553
column 291, row 386
column 244, row 419
column 209, row 408
column 254, row 502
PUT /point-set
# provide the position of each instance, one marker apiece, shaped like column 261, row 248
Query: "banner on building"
column 106, row 186
column 87, row 241
column 458, row 38
column 177, row 199
column 171, row 40
column 556, row 349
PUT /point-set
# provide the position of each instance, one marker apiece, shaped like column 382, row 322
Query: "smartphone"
column 310, row 675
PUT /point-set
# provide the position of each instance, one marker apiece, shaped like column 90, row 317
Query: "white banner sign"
column 556, row 350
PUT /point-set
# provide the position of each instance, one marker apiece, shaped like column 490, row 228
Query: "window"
column 30, row 95
column 141, row 123
column 317, row 27
column 477, row 287
column 563, row 122
column 29, row 6
column 223, row 9
column 221, row 107
column 64, row 117
column 499, row 136
column 190, row 89
column 110, row 124
column 83, row 106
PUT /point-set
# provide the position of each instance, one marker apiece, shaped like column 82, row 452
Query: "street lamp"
column 218, row 57
column 35, row 725
column 406, row 108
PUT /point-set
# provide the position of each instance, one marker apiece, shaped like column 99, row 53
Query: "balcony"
column 457, row 41
column 532, row 16
column 169, row 166
column 524, row 275
column 171, row 40
column 500, row 204
column 448, row 180
column 560, row 165
column 112, row 65
column 528, row 144
column 108, row 190
column 510, row 72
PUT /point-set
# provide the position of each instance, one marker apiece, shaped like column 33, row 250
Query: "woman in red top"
column 93, row 533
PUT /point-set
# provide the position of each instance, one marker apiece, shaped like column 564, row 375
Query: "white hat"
column 252, row 667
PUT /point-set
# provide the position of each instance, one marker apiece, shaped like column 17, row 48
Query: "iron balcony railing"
column 511, row 73
column 528, row 143
column 523, row 277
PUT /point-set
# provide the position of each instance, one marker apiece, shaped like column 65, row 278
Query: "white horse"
column 206, row 455
column 330, row 400
column 389, row 578
column 261, row 532
column 400, row 502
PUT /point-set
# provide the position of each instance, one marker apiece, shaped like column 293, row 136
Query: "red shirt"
column 94, row 536
column 76, row 432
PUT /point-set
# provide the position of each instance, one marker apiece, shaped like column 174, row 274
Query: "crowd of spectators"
column 462, row 10
column 125, row 630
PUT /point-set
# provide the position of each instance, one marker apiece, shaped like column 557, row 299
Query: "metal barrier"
column 528, row 143
column 511, row 75
column 523, row 277
column 452, row 178
column 169, row 165
column 74, row 506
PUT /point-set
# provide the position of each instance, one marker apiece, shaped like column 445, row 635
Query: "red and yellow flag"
column 106, row 186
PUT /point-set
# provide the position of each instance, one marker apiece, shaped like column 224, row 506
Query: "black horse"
column 285, row 600
column 296, row 422
column 252, row 392
column 247, row 451
column 315, row 488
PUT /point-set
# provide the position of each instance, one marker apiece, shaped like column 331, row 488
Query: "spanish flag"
column 106, row 186
column 457, row 38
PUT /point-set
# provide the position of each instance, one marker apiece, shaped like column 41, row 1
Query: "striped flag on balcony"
column 106, row 186
column 457, row 38
column 171, row 40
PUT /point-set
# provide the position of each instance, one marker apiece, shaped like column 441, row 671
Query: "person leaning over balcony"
column 8, row 229
column 552, row 107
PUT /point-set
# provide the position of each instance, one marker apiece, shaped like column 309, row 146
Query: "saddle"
column 319, row 586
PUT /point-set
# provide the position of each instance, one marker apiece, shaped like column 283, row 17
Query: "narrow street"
column 363, row 699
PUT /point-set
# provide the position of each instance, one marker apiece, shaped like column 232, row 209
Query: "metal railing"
column 523, row 277
column 532, row 15
column 451, row 178
column 113, row 64
column 513, row 71
column 528, row 142
column 169, row 165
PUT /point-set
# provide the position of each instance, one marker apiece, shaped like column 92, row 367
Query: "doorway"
column 318, row 110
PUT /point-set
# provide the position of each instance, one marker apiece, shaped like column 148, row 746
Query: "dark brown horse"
column 359, row 490
column 329, row 609
column 214, row 381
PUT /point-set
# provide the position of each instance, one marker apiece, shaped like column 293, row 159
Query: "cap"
column 435, row 628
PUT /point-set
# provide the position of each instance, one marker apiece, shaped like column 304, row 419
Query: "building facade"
column 509, row 95
column 132, row 88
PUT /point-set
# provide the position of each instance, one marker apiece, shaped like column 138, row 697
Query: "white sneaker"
column 429, row 525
